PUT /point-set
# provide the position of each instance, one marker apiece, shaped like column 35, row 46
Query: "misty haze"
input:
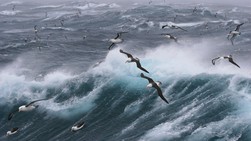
column 125, row 70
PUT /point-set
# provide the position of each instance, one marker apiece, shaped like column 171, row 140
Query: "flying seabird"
column 77, row 127
column 12, row 131
column 155, row 85
column 169, row 36
column 13, row 7
column 229, row 57
column 116, row 40
column 35, row 29
column 195, row 9
column 215, row 15
column 132, row 59
column 62, row 22
column 173, row 27
column 174, row 18
column 234, row 33
column 25, row 108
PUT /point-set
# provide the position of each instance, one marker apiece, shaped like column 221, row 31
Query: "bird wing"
column 10, row 116
column 238, row 26
column 181, row 28
column 128, row 54
column 232, row 61
column 160, row 92
column 174, row 38
column 232, row 39
column 164, row 26
column 140, row 67
column 35, row 27
column 229, row 34
column 213, row 61
column 80, row 124
column 118, row 34
column 35, row 101
column 150, row 80
column 14, row 129
column 111, row 46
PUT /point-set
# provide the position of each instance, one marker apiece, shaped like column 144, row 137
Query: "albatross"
column 229, row 58
column 12, row 131
column 77, row 127
column 116, row 40
column 155, row 85
column 132, row 59
column 234, row 33
column 169, row 36
column 25, row 108
column 173, row 27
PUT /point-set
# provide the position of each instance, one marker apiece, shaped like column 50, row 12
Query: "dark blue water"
column 207, row 103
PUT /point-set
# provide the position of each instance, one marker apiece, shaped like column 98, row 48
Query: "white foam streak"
column 171, row 129
column 8, row 12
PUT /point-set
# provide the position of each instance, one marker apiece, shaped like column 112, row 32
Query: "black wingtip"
column 121, row 50
column 142, row 74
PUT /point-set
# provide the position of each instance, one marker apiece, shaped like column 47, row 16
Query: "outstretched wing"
column 229, row 34
column 160, row 93
column 117, row 36
column 213, row 61
column 238, row 27
column 182, row 28
column 10, row 116
column 111, row 46
column 140, row 67
column 128, row 54
column 14, row 129
column 164, row 26
column 35, row 101
column 35, row 27
column 174, row 38
column 80, row 124
column 232, row 61
column 150, row 80
column 232, row 39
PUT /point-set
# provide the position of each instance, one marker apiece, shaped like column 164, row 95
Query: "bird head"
column 21, row 108
column 137, row 58
column 158, row 83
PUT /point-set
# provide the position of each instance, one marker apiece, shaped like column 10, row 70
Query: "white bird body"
column 23, row 108
column 149, row 85
column 129, row 60
column 116, row 41
column 235, row 32
column 11, row 133
column 167, row 36
column 76, row 128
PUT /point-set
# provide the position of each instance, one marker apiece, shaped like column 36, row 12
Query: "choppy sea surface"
column 59, row 62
